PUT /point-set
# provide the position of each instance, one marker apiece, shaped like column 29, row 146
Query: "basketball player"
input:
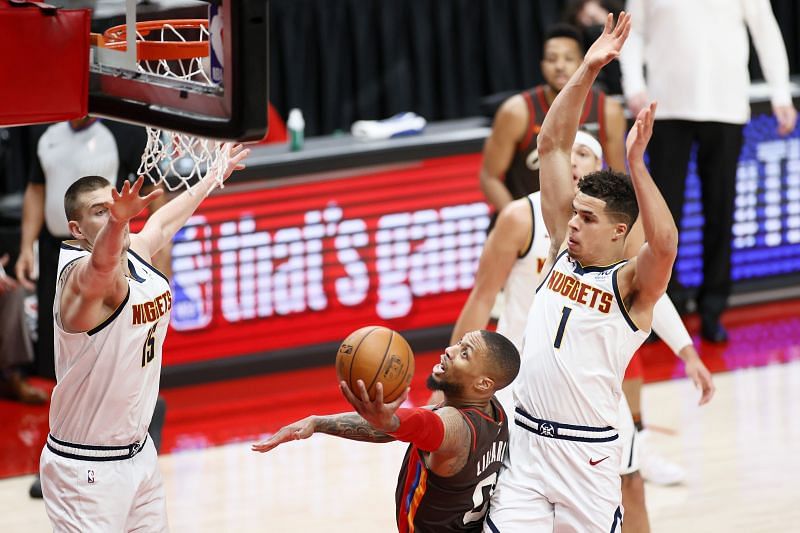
column 512, row 258
column 592, row 311
column 98, row 468
column 456, row 448
column 510, row 165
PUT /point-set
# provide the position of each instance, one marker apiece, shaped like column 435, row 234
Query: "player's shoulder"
column 517, row 212
column 513, row 106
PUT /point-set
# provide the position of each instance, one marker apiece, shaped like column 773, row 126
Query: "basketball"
column 375, row 354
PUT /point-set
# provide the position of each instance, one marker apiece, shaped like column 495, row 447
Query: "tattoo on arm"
column 351, row 426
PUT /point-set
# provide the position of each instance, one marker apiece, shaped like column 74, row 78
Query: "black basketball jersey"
column 522, row 177
column 426, row 502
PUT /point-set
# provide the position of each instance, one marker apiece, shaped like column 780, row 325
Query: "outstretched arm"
column 668, row 325
column 509, row 237
column 444, row 432
column 98, row 284
column 346, row 425
column 653, row 265
column 165, row 223
column 561, row 124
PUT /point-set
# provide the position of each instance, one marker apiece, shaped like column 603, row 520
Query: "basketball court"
column 195, row 74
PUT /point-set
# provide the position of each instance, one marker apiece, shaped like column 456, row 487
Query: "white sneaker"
column 655, row 468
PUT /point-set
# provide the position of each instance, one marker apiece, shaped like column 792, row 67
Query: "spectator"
column 16, row 347
column 510, row 167
column 696, row 55
column 589, row 16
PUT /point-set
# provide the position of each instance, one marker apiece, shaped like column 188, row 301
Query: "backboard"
column 190, row 66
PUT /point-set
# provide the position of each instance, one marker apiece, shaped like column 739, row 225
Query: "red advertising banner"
column 305, row 263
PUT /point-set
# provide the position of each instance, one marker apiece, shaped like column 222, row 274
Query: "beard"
column 444, row 386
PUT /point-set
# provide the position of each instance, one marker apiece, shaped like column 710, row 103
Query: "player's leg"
column 588, row 492
column 633, row 501
column 669, row 150
column 717, row 163
column 149, row 510
column 85, row 496
column 652, row 466
column 518, row 503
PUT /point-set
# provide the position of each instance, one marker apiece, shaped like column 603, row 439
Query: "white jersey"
column 578, row 342
column 107, row 378
column 520, row 287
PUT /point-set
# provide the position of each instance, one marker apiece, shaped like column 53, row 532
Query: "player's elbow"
column 665, row 242
column 546, row 142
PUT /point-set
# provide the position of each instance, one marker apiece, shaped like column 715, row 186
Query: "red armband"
column 421, row 427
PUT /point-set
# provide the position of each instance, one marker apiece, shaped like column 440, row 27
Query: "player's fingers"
column 624, row 22
column 155, row 193
column 348, row 393
column 379, row 393
column 137, row 185
column 362, row 390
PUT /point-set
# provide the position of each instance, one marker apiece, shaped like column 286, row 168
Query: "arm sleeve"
column 668, row 325
column 631, row 58
column 770, row 48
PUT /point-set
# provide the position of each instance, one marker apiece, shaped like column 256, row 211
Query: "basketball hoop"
column 177, row 49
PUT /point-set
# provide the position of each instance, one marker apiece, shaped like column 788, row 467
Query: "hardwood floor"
column 740, row 452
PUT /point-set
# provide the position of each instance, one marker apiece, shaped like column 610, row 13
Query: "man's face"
column 583, row 162
column 590, row 229
column 93, row 215
column 461, row 365
column 562, row 57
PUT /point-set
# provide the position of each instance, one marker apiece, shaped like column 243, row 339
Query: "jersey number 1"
column 562, row 326
column 149, row 348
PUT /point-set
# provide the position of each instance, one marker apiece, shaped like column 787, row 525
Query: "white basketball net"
column 176, row 159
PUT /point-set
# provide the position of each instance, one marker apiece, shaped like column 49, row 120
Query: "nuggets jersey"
column 426, row 502
column 578, row 342
column 521, row 283
column 522, row 176
column 107, row 377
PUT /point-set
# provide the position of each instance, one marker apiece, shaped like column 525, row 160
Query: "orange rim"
column 115, row 39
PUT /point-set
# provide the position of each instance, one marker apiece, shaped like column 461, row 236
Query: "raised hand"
column 609, row 44
column 640, row 133
column 236, row 154
column 127, row 203
column 378, row 414
column 302, row 429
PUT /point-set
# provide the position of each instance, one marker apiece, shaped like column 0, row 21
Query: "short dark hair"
column 85, row 184
column 616, row 189
column 565, row 30
column 504, row 358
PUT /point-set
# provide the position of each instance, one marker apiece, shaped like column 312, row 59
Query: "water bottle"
column 296, row 125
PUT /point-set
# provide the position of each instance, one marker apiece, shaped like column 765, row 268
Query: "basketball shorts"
column 88, row 496
column 629, row 459
column 551, row 483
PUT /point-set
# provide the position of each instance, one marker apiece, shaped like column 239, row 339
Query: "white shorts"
column 627, row 436
column 551, row 484
column 84, row 496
